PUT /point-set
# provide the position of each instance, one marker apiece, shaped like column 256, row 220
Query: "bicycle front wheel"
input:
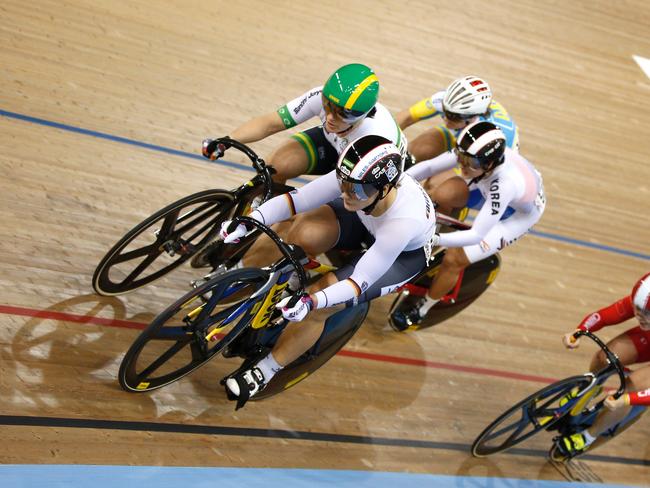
column 162, row 242
column 538, row 412
column 191, row 331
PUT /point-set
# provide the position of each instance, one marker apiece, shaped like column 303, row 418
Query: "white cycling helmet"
column 467, row 97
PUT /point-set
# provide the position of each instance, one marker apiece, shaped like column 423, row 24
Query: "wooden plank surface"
column 171, row 75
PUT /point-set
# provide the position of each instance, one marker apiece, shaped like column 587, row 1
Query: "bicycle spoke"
column 204, row 319
column 197, row 219
column 136, row 253
column 162, row 359
column 139, row 269
column 521, row 426
column 167, row 226
column 499, row 433
column 172, row 334
column 201, row 230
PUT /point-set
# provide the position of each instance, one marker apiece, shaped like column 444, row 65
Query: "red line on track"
column 126, row 324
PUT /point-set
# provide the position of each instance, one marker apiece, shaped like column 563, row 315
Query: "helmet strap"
column 380, row 196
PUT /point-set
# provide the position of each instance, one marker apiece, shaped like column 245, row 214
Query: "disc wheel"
column 162, row 242
column 190, row 331
column 538, row 412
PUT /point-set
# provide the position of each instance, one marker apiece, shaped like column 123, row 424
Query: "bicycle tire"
column 148, row 370
column 536, row 407
column 206, row 210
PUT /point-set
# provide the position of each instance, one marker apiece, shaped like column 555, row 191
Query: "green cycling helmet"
column 354, row 88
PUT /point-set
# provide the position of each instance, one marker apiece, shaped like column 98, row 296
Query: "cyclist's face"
column 643, row 317
column 468, row 165
column 356, row 196
column 455, row 121
column 336, row 118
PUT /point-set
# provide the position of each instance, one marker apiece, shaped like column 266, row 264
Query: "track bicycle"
column 184, row 230
column 471, row 283
column 567, row 407
column 234, row 315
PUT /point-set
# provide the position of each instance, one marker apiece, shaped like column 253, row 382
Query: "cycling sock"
column 427, row 304
column 588, row 437
column 269, row 366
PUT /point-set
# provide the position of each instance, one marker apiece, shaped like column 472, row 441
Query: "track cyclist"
column 347, row 106
column 512, row 202
column 632, row 346
column 465, row 101
column 366, row 200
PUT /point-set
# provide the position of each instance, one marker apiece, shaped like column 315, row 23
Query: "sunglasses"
column 344, row 114
column 356, row 189
column 452, row 117
column 467, row 160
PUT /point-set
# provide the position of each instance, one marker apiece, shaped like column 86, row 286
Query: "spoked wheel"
column 190, row 331
column 162, row 242
column 537, row 412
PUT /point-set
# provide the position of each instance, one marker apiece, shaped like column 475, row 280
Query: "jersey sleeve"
column 422, row 170
column 501, row 193
column 641, row 397
column 427, row 108
column 390, row 241
column 617, row 312
column 303, row 108
column 314, row 194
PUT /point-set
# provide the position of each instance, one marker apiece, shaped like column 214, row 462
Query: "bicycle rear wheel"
column 539, row 411
column 162, row 242
column 177, row 340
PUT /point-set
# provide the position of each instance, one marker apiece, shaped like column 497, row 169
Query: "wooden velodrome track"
column 170, row 74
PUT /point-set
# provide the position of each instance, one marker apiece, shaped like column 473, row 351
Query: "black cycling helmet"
column 367, row 165
column 482, row 145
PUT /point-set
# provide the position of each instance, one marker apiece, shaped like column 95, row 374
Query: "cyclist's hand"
column 232, row 236
column 295, row 308
column 212, row 150
column 571, row 342
column 615, row 404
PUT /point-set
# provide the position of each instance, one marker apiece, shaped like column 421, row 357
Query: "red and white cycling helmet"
column 641, row 301
column 467, row 97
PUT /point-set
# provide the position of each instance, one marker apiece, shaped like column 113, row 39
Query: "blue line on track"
column 80, row 476
column 176, row 152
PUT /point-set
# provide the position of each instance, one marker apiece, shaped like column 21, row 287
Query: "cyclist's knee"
column 598, row 361
column 300, row 228
column 289, row 161
column 455, row 259
column 451, row 194
column 428, row 145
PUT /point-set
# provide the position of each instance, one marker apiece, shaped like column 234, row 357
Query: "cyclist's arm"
column 314, row 194
column 390, row 241
column 295, row 112
column 421, row 171
column 615, row 313
column 424, row 109
column 258, row 128
column 404, row 119
column 501, row 194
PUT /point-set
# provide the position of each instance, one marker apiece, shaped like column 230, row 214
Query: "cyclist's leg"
column 631, row 347
column 315, row 231
column 289, row 160
column 432, row 143
column 340, row 229
column 505, row 233
column 307, row 152
column 449, row 195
